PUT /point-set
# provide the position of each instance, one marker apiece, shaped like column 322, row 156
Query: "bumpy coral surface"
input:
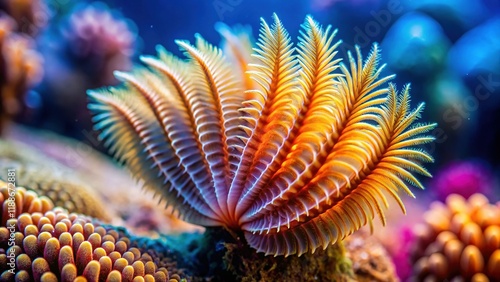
column 20, row 68
column 73, row 197
column 41, row 157
column 38, row 243
column 25, row 201
column 298, row 161
column 62, row 188
column 459, row 240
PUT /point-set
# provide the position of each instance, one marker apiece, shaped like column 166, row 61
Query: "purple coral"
column 464, row 178
column 102, row 37
column 91, row 42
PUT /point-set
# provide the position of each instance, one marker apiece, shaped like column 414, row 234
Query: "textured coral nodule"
column 51, row 245
column 63, row 192
column 459, row 240
column 25, row 202
column 282, row 142
column 72, row 197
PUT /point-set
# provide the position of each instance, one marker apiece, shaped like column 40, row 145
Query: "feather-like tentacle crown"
column 284, row 143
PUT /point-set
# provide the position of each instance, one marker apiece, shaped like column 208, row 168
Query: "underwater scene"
column 238, row 140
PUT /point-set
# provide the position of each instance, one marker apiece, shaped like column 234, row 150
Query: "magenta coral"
column 464, row 178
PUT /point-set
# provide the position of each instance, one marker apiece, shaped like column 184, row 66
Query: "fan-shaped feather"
column 135, row 137
column 290, row 146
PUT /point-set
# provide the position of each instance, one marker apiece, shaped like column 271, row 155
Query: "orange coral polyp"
column 465, row 235
column 297, row 159
column 65, row 247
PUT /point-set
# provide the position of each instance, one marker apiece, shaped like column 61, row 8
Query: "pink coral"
column 97, row 34
column 98, row 31
column 464, row 178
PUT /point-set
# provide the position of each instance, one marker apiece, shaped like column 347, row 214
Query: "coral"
column 64, row 161
column 399, row 247
column 25, row 201
column 164, row 250
column 30, row 15
column 70, row 196
column 99, row 39
column 218, row 255
column 91, row 41
column 66, row 246
column 60, row 189
column 20, row 68
column 459, row 240
column 159, row 251
column 298, row 162
column 464, row 178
